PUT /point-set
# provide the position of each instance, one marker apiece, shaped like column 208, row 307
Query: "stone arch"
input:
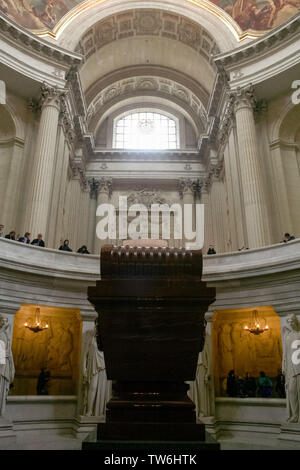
column 223, row 28
column 130, row 102
column 185, row 125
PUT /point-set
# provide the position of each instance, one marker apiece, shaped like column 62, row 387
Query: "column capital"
column 105, row 185
column 185, row 185
column 260, row 108
column 243, row 97
column 51, row 95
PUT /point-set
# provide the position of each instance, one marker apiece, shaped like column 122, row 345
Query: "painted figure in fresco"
column 97, row 388
column 291, row 369
column 201, row 389
column 259, row 15
column 36, row 14
column 7, row 368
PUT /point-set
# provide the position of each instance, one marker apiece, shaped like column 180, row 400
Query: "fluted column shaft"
column 103, row 197
column 186, row 189
column 208, row 228
column 92, row 219
column 218, row 215
column 11, row 212
column 43, row 165
column 256, row 216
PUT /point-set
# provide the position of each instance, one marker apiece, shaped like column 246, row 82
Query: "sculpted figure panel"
column 7, row 369
column 55, row 349
column 236, row 349
column 291, row 367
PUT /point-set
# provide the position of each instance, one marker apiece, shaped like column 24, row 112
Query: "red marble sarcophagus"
column 151, row 304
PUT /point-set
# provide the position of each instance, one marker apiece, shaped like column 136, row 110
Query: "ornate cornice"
column 261, row 45
column 30, row 41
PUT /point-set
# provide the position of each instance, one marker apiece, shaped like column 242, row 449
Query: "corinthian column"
column 186, row 192
column 252, row 181
column 103, row 196
column 43, row 162
column 94, row 185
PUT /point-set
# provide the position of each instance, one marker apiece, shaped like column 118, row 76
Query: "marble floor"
column 49, row 440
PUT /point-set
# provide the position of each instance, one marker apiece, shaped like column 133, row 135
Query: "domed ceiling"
column 259, row 15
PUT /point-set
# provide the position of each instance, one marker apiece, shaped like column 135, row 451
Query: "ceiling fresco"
column 259, row 15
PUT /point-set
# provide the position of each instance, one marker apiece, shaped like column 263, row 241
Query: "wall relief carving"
column 56, row 349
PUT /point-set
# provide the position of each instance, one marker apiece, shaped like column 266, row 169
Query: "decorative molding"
column 148, row 70
column 30, row 41
column 158, row 86
column 145, row 196
column 258, row 46
column 147, row 22
column 226, row 121
column 74, row 84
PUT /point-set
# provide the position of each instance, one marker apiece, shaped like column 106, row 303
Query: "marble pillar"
column 257, row 223
column 208, row 225
column 186, row 192
column 219, row 213
column 92, row 214
column 11, row 210
column 43, row 163
column 103, row 197
column 58, row 183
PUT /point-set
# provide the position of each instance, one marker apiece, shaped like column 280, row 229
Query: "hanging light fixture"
column 36, row 325
column 257, row 325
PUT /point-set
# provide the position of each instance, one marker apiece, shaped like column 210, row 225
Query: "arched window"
column 146, row 130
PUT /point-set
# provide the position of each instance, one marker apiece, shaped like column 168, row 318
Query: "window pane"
column 145, row 130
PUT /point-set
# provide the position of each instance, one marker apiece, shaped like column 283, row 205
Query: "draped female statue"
column 97, row 388
column 201, row 390
column 291, row 367
column 7, row 368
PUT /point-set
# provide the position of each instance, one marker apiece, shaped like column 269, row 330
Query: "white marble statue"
column 7, row 368
column 201, row 389
column 290, row 367
column 97, row 388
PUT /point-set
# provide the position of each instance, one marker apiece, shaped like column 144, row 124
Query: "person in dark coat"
column 25, row 239
column 11, row 235
column 211, row 250
column 288, row 237
column 83, row 249
column 38, row 241
column 65, row 246
column 265, row 385
column 232, row 385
